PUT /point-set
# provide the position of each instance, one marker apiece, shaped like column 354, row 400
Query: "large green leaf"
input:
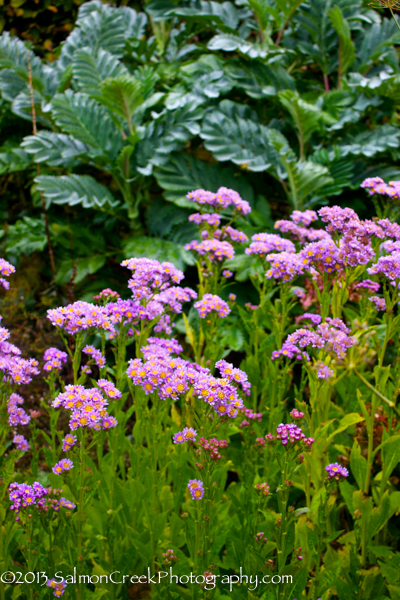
column 122, row 95
column 27, row 235
column 90, row 69
column 347, row 52
column 369, row 143
column 57, row 149
column 229, row 42
column 75, row 189
column 87, row 120
column 13, row 159
column 185, row 173
column 233, row 132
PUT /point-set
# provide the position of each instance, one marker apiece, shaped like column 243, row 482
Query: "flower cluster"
column 69, row 441
column 21, row 442
column 17, row 415
column 332, row 336
column 232, row 374
column 285, row 266
column 265, row 243
column 148, row 275
column 22, row 496
column 336, row 471
column 263, row 489
column 169, row 557
column 95, row 355
column 222, row 199
column 379, row 303
column 215, row 250
column 289, row 433
column 210, row 303
column 88, row 407
column 389, row 266
column 63, row 465
column 80, row 316
column 54, row 359
column 211, row 447
column 188, row 434
column 196, row 489
column 58, row 587
column 6, row 269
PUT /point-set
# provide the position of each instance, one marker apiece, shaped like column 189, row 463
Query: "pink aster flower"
column 21, row 442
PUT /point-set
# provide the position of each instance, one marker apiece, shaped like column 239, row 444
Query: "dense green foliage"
column 292, row 104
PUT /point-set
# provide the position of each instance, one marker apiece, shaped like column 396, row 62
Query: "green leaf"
column 369, row 143
column 307, row 117
column 122, row 95
column 347, row 53
column 75, row 189
column 358, row 465
column 88, row 121
column 88, row 266
column 56, row 149
column 25, row 236
column 232, row 132
column 13, row 159
column 90, row 69
column 229, row 42
column 390, row 455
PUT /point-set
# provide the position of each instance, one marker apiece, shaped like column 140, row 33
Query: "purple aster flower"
column 305, row 217
column 285, row 266
column 57, row 587
column 368, row 285
column 215, row 250
column 315, row 319
column 210, row 303
column 21, row 442
column 336, row 471
column 196, row 489
column 69, row 441
column 265, row 243
column 63, row 465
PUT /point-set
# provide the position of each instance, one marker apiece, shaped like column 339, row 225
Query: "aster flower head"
column 222, row 199
column 21, row 442
column 149, row 275
column 210, row 303
column 285, row 266
column 336, row 471
column 388, row 266
column 305, row 217
column 69, row 441
column 367, row 284
column 95, row 355
column 80, row 316
column 265, row 243
column 63, row 465
column 17, row 415
column 57, row 587
column 215, row 250
column 196, row 489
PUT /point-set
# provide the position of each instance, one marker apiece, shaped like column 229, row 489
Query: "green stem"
column 373, row 389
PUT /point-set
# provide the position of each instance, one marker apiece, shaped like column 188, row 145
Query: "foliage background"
column 289, row 103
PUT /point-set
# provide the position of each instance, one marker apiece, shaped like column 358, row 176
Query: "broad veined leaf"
column 229, row 43
column 369, row 143
column 185, row 173
column 75, row 189
column 134, row 22
column 165, row 135
column 224, row 14
column 90, row 69
column 102, row 28
column 87, row 120
column 232, row 132
column 55, row 148
column 14, row 55
column 375, row 42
